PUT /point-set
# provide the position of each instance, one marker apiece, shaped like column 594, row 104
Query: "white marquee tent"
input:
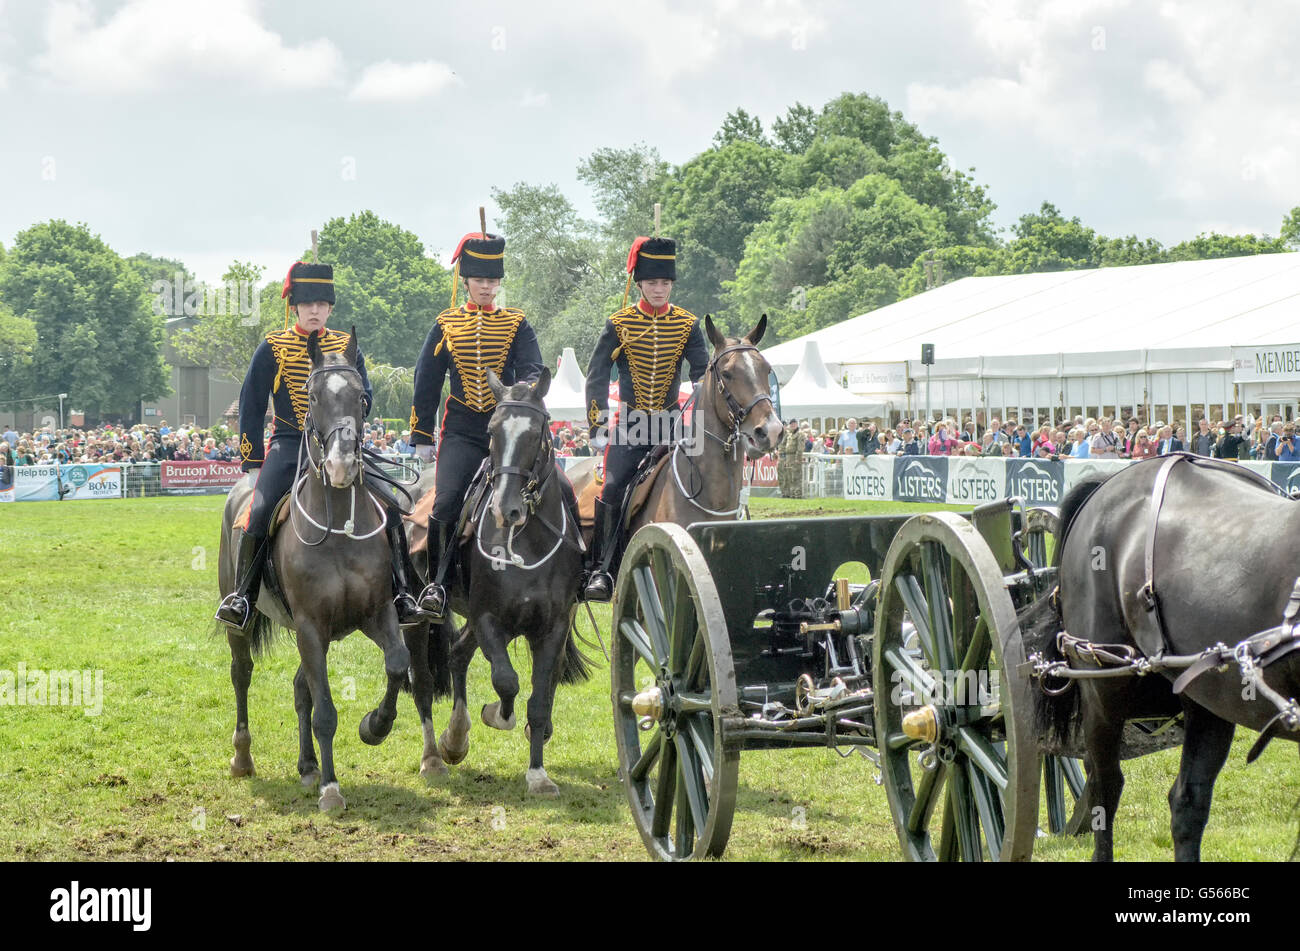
column 1172, row 340
column 812, row 391
column 566, row 399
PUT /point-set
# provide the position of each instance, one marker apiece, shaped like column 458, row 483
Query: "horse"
column 519, row 575
column 335, row 580
column 1142, row 570
column 733, row 418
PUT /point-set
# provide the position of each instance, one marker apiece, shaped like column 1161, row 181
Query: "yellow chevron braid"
column 619, row 349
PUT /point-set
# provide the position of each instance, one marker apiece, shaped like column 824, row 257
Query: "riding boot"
column 236, row 609
column 433, row 599
column 600, row 586
column 408, row 612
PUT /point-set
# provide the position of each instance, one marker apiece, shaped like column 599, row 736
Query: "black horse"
column 1215, row 578
column 519, row 575
column 331, row 562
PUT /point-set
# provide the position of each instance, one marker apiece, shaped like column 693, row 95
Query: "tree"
column 159, row 269
column 97, row 338
column 385, row 284
column 1047, row 241
column 227, row 330
column 17, row 344
column 1290, row 234
column 393, row 389
column 794, row 132
column 626, row 183
column 740, row 126
column 550, row 253
column 1215, row 245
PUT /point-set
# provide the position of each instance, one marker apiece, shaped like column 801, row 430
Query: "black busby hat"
column 480, row 255
column 652, row 258
column 309, row 282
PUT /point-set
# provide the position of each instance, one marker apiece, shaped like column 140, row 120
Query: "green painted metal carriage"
column 734, row 636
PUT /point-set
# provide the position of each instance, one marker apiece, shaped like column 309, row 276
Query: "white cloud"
column 535, row 100
column 148, row 45
column 402, row 82
column 1199, row 95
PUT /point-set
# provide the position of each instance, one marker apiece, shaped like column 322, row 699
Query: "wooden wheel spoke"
column 909, row 589
column 695, row 702
column 1074, row 778
column 656, row 626
column 684, row 833
column 636, row 636
column 937, row 595
column 691, row 779
column 982, row 754
column 912, row 675
column 695, row 663
column 665, row 792
column 949, row 847
column 641, row 768
column 700, row 729
column 928, row 795
column 977, row 651
column 683, row 629
column 965, row 819
column 988, row 808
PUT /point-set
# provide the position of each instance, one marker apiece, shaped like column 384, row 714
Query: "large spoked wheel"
column 673, row 684
column 954, row 719
column 1064, row 781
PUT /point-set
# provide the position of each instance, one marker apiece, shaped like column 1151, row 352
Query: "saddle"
column 279, row 515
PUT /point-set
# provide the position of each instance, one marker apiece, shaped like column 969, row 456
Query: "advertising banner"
column 1037, row 481
column 921, row 479
column 975, row 480
column 198, row 477
column 868, row 477
column 1078, row 469
column 761, row 472
column 48, row 483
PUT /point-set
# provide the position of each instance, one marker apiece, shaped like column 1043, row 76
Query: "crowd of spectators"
column 1077, row 438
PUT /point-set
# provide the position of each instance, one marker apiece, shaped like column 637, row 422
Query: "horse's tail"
column 1055, row 715
column 576, row 669
column 439, row 659
column 262, row 632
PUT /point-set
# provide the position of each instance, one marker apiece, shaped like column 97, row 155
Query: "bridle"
column 321, row 447
column 536, row 477
column 736, row 415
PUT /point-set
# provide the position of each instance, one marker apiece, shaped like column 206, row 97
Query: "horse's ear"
column 715, row 337
column 543, row 383
column 495, row 385
column 313, row 349
column 755, row 335
column 350, row 352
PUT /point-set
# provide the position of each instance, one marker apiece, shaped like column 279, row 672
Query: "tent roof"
column 1217, row 303
column 566, row 399
column 812, row 392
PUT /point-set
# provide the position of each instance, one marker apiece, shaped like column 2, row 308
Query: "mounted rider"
column 647, row 341
column 463, row 344
column 278, row 374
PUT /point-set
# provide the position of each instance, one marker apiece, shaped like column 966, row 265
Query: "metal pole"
column 929, row 408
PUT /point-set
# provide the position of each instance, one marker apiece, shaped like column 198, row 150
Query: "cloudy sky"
column 211, row 130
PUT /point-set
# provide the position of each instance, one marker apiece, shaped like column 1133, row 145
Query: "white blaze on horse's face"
column 340, row 466
column 518, row 449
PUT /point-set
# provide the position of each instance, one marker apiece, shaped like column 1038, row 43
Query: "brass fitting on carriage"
column 845, row 618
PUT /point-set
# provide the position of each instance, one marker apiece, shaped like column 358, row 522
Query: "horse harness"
column 1087, row 660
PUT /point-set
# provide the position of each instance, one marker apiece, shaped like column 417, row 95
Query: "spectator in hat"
column 1234, row 445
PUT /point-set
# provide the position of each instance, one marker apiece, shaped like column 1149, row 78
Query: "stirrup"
column 433, row 601
column 408, row 611
column 600, row 587
column 235, row 612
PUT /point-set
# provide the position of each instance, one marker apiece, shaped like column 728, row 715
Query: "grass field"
column 129, row 588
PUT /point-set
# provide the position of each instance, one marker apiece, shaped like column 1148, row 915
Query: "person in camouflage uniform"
column 789, row 461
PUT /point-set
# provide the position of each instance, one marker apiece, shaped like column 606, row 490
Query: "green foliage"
column 222, row 334
column 17, row 344
column 794, row 132
column 393, row 388
column 1214, row 245
column 97, row 338
column 385, row 284
column 158, row 269
column 740, row 126
column 1289, row 235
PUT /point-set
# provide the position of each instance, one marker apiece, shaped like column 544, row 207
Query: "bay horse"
column 332, row 564
column 518, row 576
column 1165, row 559
column 732, row 418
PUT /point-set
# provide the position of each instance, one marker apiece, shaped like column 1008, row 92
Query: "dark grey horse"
column 332, row 562
column 1224, row 565
column 520, row 575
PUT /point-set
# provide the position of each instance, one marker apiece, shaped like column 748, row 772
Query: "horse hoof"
column 331, row 798
column 433, row 769
column 241, row 766
column 310, row 780
column 448, row 753
column 491, row 716
column 528, row 734
column 368, row 734
column 539, row 784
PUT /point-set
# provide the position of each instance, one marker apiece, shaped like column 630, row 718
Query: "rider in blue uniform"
column 648, row 341
column 463, row 344
column 278, row 373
